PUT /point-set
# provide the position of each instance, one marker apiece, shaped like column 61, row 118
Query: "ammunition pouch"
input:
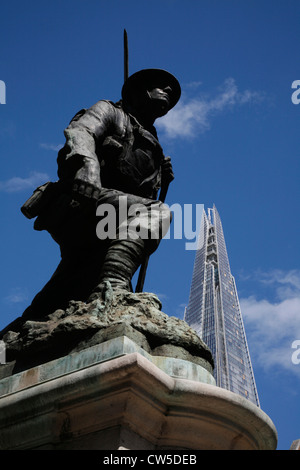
column 41, row 197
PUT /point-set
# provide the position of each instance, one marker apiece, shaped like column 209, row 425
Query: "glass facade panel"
column 214, row 310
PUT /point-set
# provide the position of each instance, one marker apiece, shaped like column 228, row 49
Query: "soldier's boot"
column 122, row 259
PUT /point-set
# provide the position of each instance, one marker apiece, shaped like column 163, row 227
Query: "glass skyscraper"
column 214, row 310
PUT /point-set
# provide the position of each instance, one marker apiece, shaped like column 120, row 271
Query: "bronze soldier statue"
column 111, row 150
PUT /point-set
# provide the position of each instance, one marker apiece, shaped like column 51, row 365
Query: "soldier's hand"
column 167, row 170
column 82, row 190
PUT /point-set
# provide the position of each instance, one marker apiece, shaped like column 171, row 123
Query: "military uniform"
column 107, row 154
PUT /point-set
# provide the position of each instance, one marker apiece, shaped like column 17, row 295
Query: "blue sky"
column 233, row 139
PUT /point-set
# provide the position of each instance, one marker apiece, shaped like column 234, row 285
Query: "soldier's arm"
column 78, row 160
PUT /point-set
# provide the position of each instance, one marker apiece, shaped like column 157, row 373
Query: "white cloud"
column 53, row 147
column 16, row 295
column 272, row 326
column 287, row 283
column 193, row 116
column 17, row 183
column 193, row 85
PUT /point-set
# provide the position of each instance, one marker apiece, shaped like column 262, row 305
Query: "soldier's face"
column 160, row 100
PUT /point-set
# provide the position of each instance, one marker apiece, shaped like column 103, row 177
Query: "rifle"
column 144, row 266
column 126, row 73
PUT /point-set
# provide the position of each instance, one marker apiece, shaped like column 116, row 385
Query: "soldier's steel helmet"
column 149, row 79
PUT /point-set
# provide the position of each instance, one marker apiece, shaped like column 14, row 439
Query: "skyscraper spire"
column 214, row 310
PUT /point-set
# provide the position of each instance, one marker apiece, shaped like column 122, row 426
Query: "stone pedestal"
column 295, row 445
column 119, row 374
column 117, row 396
